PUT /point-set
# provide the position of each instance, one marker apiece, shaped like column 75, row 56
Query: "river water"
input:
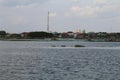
column 39, row 60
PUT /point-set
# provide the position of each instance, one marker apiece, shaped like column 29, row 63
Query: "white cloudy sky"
column 65, row 15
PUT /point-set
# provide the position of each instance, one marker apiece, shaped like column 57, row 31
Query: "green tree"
column 15, row 36
column 37, row 35
column 3, row 34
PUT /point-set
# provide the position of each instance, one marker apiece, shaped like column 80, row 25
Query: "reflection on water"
column 39, row 61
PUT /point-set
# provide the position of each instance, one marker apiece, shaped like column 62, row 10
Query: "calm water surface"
column 41, row 61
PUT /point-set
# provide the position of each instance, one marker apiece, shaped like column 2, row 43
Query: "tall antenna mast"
column 48, row 22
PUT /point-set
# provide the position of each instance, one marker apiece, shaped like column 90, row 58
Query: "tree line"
column 30, row 35
column 41, row 34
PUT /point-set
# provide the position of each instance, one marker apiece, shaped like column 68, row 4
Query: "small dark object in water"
column 53, row 46
column 63, row 46
column 79, row 46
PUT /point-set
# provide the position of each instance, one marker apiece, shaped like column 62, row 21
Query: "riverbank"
column 63, row 39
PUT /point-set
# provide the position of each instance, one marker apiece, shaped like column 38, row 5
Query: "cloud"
column 17, row 20
column 53, row 14
column 26, row 6
column 110, row 8
column 92, row 11
column 82, row 11
column 75, row 0
column 12, row 3
column 100, row 1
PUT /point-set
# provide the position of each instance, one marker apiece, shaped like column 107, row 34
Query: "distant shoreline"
column 60, row 39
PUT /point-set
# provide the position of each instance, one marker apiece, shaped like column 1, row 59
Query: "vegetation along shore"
column 55, row 36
